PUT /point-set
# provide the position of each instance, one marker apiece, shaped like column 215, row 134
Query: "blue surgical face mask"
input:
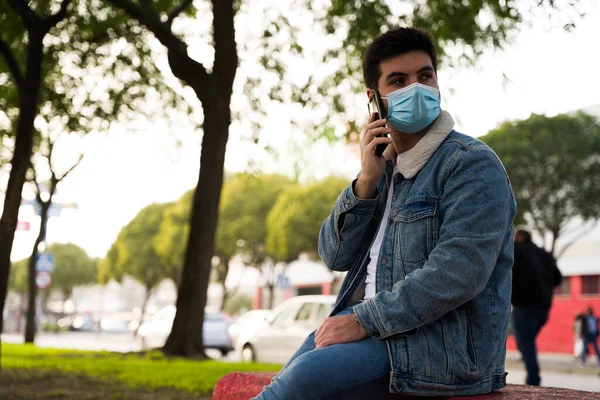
column 413, row 108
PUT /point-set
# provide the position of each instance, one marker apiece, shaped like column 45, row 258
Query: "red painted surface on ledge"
column 244, row 386
column 241, row 385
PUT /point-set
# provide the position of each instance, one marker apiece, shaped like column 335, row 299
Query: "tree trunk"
column 28, row 108
column 555, row 234
column 186, row 338
column 224, row 297
column 271, row 288
column 30, row 326
column 214, row 91
column 175, row 277
column 143, row 314
column 223, row 271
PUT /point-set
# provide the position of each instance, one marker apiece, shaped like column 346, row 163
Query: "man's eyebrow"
column 392, row 75
column 426, row 68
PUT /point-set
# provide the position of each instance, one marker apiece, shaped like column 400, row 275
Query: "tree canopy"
column 170, row 241
column 133, row 252
column 294, row 223
column 72, row 267
column 554, row 167
column 245, row 202
column 97, row 66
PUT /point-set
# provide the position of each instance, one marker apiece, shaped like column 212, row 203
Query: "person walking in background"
column 589, row 332
column 578, row 328
column 535, row 275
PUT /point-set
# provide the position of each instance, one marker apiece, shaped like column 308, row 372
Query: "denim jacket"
column 443, row 278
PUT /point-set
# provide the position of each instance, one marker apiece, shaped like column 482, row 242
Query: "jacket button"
column 409, row 213
column 384, row 261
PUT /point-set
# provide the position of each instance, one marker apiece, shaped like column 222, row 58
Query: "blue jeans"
column 587, row 339
column 358, row 370
column 527, row 324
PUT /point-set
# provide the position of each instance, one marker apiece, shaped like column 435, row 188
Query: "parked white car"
column 246, row 324
column 286, row 328
column 215, row 334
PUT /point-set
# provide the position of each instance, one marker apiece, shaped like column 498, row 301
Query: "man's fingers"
column 319, row 331
column 374, row 128
column 323, row 342
column 370, row 148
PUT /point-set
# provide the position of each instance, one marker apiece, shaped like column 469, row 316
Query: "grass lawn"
column 150, row 374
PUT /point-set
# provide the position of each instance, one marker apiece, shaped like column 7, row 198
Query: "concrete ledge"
column 244, row 386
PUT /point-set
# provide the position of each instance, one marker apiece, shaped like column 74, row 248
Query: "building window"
column 590, row 284
column 565, row 286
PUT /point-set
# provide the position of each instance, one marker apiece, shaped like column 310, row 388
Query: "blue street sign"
column 283, row 282
column 54, row 210
column 44, row 262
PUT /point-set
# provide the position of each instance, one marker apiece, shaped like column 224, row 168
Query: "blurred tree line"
column 72, row 267
column 79, row 65
column 265, row 219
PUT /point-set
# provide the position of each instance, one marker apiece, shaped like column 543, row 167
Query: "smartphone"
column 377, row 104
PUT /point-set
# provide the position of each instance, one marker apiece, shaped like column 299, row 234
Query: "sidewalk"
column 564, row 363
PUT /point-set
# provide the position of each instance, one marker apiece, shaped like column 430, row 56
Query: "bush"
column 236, row 303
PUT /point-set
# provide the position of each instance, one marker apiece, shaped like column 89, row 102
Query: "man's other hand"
column 337, row 330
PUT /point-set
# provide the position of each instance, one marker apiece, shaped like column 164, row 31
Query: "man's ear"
column 369, row 93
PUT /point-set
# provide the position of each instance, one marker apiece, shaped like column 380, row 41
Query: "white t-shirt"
column 370, row 288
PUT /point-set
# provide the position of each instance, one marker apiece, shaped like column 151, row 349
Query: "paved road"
column 589, row 383
column 117, row 342
column 551, row 376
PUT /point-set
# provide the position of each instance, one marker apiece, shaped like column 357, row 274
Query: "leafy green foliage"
column 342, row 30
column 133, row 252
column 237, row 303
column 554, row 167
column 72, row 267
column 135, row 371
column 98, row 67
column 171, row 239
column 245, row 203
column 17, row 281
column 295, row 220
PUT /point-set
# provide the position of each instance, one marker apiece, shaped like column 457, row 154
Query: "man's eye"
column 426, row 76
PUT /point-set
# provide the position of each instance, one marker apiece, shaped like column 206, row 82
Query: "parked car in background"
column 286, row 328
column 241, row 330
column 79, row 323
column 215, row 334
column 117, row 325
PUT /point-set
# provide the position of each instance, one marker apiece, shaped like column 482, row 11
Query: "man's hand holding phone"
column 372, row 165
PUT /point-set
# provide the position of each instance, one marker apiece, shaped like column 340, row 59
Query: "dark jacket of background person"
column 535, row 275
column 582, row 325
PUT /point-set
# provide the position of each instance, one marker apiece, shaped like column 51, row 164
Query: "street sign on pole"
column 43, row 279
column 44, row 262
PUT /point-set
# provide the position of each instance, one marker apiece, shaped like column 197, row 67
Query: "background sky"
column 550, row 71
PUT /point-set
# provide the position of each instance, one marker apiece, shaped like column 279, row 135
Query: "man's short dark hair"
column 393, row 43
